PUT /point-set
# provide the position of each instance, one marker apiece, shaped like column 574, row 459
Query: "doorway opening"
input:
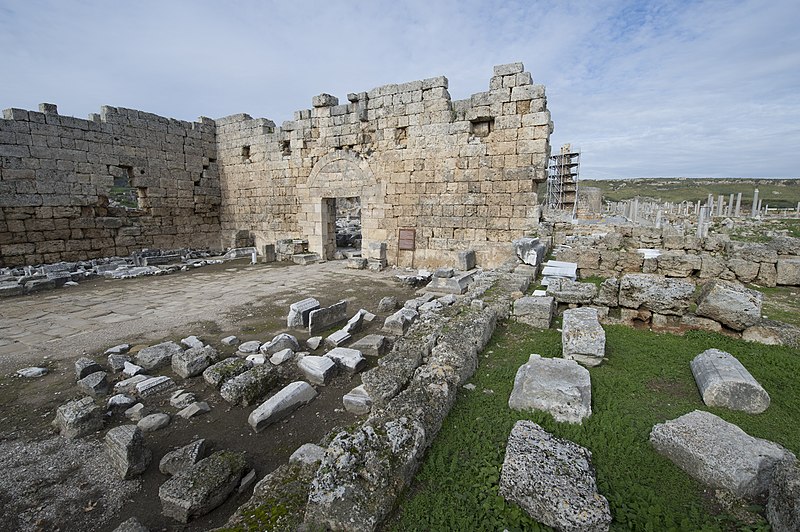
column 348, row 227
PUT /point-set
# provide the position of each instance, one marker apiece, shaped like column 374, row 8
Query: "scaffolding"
column 562, row 180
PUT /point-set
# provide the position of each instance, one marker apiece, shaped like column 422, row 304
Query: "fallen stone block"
column 299, row 312
column 351, row 360
column 355, row 323
column 788, row 271
column 256, row 359
column 387, row 304
column 131, row 525
column 154, row 386
column 137, row 412
column 399, row 322
column 95, row 384
column 201, row 488
column 568, row 291
column 326, row 317
column 78, row 418
column 153, row 422
column 127, row 452
column 181, row 459
column 230, row 340
column 656, row 293
column 281, row 356
column 280, row 405
column 157, row 356
column 249, row 387
column 308, row 453
column 318, row 370
column 557, row 386
column 552, row 480
column 250, row 347
column 583, row 338
column 783, row 505
column 120, row 402
column 279, row 343
column 131, row 369
column 337, row 338
column 304, row 259
column 356, row 263
column 719, row 454
column 85, row 367
column 730, row 303
column 218, row 373
column 535, row 311
column 32, row 372
column 11, row 288
column 181, row 399
column 129, row 385
column 357, row 401
column 120, row 349
column 193, row 361
column 457, row 284
column 375, row 345
column 116, row 361
column 194, row 409
column 192, row 341
column 723, row 381
column 466, row 260
column 314, row 342
column 529, row 250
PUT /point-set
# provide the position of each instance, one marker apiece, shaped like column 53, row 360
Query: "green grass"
column 645, row 380
column 781, row 303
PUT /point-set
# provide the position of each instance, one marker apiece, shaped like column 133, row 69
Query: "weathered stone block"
column 324, row 318
column 536, row 311
column 250, row 386
column 730, row 303
column 183, row 458
column 224, row 370
column 557, row 386
column 281, row 404
column 351, row 360
column 655, row 293
column 299, row 312
column 375, row 345
column 79, row 418
column 719, row 454
column 783, row 506
column 723, row 381
column 552, row 480
column 788, row 271
column 399, row 322
column 318, row 370
column 127, row 452
column 567, row 291
column 583, row 338
column 194, row 361
column 157, row 356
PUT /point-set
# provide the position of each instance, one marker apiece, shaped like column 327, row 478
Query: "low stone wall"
column 716, row 256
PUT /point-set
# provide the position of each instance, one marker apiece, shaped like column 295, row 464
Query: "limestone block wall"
column 614, row 252
column 57, row 174
column 460, row 174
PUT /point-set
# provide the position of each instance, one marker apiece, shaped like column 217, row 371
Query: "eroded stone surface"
column 555, row 385
column 552, row 480
column 283, row 403
column 723, row 381
column 730, row 303
column 126, row 450
column 582, row 337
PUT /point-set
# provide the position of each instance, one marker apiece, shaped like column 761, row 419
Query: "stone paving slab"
column 91, row 318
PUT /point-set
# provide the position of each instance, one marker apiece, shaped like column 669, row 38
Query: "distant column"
column 658, row 219
column 758, row 210
column 798, row 207
column 700, row 222
column 729, row 212
column 738, row 204
column 755, row 207
column 720, row 201
column 635, row 211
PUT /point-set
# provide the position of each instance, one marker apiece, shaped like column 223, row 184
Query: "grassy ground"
column 645, row 380
column 781, row 193
column 781, row 303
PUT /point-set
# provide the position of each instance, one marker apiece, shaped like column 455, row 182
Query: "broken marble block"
column 249, row 387
column 129, row 385
column 536, row 311
column 314, row 342
column 78, row 418
column 337, row 338
column 308, row 453
column 280, row 405
column 281, row 356
column 246, row 348
column 582, row 337
column 783, row 506
column 357, row 401
column 127, row 452
column 326, row 317
column 195, row 409
column 355, row 323
column 279, row 343
column 120, row 349
column 157, row 356
column 374, row 345
column 319, row 370
column 457, row 284
column 119, row 403
column 192, row 341
column 351, row 360
column 218, row 373
column 193, row 361
column 723, row 381
column 131, row 369
column 116, row 361
column 202, row 487
column 719, row 454
column 181, row 399
column 155, row 386
column 399, row 322
column 85, row 367
column 300, row 311
column 95, row 384
column 182, row 458
column 557, row 386
column 730, row 303
column 153, row 422
column 552, row 480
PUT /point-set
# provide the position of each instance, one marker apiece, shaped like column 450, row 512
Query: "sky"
column 644, row 89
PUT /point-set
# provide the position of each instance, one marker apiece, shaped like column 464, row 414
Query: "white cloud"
column 645, row 89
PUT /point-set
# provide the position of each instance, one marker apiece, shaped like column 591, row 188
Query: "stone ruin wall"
column 462, row 173
column 57, row 172
column 615, row 252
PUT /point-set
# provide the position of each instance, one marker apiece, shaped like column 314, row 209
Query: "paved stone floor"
column 66, row 322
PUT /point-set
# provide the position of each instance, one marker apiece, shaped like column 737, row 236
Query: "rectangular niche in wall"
column 481, row 127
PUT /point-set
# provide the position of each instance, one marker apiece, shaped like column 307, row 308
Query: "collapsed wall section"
column 452, row 175
column 123, row 180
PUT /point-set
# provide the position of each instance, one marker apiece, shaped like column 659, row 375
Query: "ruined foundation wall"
column 57, row 174
column 462, row 174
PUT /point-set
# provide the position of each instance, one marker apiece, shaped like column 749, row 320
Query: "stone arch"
column 341, row 173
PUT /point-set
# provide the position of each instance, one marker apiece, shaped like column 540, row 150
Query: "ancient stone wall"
column 59, row 176
column 460, row 174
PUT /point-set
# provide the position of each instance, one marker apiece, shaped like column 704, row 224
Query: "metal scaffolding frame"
column 562, row 180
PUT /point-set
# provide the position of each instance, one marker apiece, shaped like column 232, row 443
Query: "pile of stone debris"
column 29, row 279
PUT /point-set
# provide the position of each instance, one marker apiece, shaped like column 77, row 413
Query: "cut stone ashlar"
column 723, row 381
column 280, row 405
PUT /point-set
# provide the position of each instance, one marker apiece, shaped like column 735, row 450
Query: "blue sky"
column 645, row 89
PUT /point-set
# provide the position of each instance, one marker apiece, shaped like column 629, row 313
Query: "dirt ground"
column 48, row 483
